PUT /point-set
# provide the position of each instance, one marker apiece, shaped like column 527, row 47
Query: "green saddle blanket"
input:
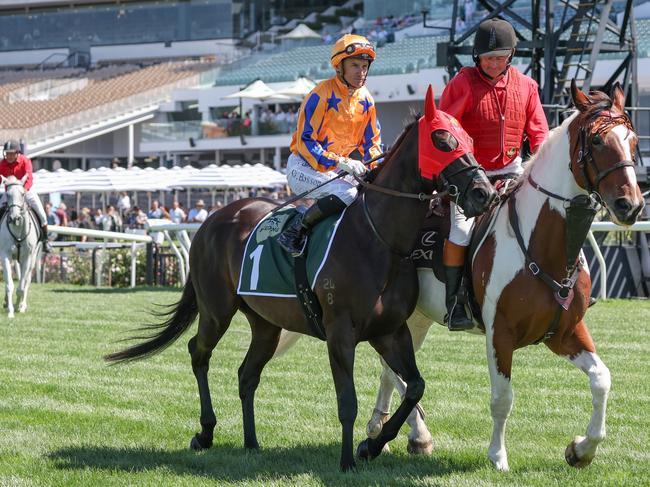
column 268, row 270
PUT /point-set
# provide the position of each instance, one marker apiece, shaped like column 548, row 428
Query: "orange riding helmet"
column 351, row 45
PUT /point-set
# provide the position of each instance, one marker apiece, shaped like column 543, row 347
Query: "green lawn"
column 68, row 419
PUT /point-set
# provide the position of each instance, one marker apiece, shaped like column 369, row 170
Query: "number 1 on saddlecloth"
column 255, row 272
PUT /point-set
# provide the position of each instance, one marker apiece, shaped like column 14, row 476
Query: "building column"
column 262, row 156
column 130, row 158
column 277, row 158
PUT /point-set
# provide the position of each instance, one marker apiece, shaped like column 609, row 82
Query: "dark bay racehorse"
column 367, row 288
column 590, row 154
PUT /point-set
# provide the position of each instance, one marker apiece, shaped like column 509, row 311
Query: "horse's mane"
column 549, row 143
column 393, row 148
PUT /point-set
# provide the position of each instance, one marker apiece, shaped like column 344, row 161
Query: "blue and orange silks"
column 332, row 123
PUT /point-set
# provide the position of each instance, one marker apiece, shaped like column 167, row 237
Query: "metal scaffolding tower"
column 568, row 36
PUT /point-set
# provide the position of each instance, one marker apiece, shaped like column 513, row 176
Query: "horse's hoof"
column 374, row 428
column 416, row 447
column 197, row 445
column 572, row 458
column 500, row 463
column 362, row 451
column 10, row 315
column 348, row 466
column 254, row 448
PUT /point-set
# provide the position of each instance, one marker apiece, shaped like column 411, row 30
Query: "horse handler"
column 14, row 163
column 498, row 107
column 337, row 117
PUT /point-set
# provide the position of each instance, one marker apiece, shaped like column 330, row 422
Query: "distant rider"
column 18, row 165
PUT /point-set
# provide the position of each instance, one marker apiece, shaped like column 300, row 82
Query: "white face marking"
column 625, row 138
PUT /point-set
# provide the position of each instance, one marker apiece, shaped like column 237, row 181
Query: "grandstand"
column 151, row 99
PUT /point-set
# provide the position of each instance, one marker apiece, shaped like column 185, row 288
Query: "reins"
column 339, row 176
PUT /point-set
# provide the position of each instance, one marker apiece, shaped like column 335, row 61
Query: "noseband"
column 586, row 158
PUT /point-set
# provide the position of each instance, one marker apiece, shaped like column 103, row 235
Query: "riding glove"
column 352, row 166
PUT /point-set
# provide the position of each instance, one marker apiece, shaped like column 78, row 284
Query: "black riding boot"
column 3, row 209
column 47, row 247
column 294, row 238
column 457, row 319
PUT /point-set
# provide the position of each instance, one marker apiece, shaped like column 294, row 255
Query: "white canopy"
column 301, row 31
column 298, row 88
column 105, row 180
column 257, row 90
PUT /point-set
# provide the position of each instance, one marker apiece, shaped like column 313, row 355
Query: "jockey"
column 499, row 107
column 16, row 164
column 337, row 117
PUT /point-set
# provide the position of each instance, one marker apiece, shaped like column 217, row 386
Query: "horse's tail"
column 180, row 318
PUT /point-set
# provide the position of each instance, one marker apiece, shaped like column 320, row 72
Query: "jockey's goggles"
column 362, row 48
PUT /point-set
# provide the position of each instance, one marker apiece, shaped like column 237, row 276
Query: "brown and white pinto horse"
column 371, row 245
column 590, row 153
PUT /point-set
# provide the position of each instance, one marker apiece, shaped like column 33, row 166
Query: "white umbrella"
column 257, row 90
column 301, row 31
column 299, row 88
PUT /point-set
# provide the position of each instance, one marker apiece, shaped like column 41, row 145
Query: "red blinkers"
column 433, row 158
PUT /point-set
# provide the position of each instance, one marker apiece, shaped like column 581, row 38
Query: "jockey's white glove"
column 352, row 166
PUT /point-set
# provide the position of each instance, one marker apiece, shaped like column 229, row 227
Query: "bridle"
column 586, row 159
column 447, row 189
column 18, row 238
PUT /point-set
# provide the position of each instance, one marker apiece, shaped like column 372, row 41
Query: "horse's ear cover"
column 432, row 161
column 429, row 105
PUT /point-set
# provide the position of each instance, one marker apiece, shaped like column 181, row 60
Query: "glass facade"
column 82, row 27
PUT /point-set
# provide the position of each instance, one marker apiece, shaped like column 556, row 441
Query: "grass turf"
column 68, row 419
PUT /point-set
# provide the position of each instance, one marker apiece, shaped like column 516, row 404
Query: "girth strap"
column 307, row 297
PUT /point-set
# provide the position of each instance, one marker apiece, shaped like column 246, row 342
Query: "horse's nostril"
column 622, row 206
column 480, row 195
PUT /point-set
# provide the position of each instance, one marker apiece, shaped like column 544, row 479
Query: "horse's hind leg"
column 582, row 450
column 397, row 351
column 200, row 348
column 264, row 341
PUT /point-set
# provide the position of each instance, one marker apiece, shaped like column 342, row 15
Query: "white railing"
column 180, row 245
column 135, row 239
column 610, row 227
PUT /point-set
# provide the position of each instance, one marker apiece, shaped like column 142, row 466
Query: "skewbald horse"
column 590, row 154
column 371, row 243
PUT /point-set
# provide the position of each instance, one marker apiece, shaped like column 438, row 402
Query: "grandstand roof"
column 21, row 4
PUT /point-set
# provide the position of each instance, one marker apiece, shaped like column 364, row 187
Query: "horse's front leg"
column 9, row 286
column 419, row 439
column 582, row 450
column 397, row 351
column 499, row 347
column 341, row 346
column 25, row 280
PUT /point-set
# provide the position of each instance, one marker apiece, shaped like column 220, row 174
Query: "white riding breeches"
column 33, row 201
column 460, row 232
column 302, row 177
